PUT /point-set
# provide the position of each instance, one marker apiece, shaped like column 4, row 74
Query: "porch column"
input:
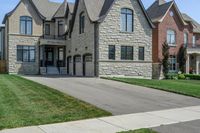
column 197, row 64
column 44, row 56
column 188, row 64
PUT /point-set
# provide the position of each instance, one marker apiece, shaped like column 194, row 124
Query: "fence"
column 2, row 66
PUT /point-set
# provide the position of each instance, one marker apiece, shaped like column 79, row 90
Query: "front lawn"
column 185, row 87
column 140, row 131
column 26, row 103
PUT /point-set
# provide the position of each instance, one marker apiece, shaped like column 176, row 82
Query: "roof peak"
column 161, row 2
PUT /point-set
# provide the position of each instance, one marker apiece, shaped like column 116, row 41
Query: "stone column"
column 197, row 64
column 188, row 64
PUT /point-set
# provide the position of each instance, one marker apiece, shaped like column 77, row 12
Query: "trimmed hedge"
column 192, row 76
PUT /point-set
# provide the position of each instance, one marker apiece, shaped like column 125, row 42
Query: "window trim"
column 22, row 54
column 109, row 53
column 143, row 53
column 20, row 20
column 171, row 44
column 126, row 53
column 126, row 19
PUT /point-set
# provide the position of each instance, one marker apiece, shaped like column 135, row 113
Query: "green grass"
column 140, row 131
column 185, row 87
column 26, row 103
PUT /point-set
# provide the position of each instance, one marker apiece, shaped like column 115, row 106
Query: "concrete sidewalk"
column 115, row 124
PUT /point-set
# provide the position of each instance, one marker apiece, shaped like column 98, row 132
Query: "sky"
column 191, row 7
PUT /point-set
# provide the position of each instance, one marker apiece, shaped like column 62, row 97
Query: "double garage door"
column 81, row 68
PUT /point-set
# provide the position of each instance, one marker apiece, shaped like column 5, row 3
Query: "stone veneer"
column 22, row 67
column 110, row 34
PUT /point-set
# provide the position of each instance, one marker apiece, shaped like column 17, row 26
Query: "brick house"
column 88, row 38
column 178, row 30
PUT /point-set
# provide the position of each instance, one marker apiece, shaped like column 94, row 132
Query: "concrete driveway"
column 116, row 97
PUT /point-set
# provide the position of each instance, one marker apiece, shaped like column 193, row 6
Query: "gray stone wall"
column 110, row 34
column 81, row 44
column 16, row 67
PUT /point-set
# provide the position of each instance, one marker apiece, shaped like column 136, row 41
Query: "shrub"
column 173, row 76
column 192, row 76
column 181, row 76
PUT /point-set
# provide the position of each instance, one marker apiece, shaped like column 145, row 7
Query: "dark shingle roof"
column 61, row 12
column 46, row 8
column 156, row 12
column 195, row 24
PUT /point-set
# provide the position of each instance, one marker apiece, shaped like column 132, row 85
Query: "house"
column 2, row 42
column 87, row 38
column 178, row 30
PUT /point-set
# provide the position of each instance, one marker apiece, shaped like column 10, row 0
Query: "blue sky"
column 191, row 7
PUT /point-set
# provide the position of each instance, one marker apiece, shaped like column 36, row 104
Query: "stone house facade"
column 87, row 38
column 178, row 30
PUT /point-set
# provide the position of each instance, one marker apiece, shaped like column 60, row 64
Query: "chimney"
column 160, row 2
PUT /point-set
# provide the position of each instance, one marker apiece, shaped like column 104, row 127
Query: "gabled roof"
column 71, row 7
column 157, row 12
column 196, row 25
column 46, row 8
column 61, row 12
column 11, row 12
column 97, row 10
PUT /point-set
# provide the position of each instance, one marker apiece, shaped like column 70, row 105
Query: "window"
column 60, row 54
column 82, row 23
column 77, row 59
column 141, row 53
column 47, row 29
column 171, row 37
column 172, row 63
column 126, row 52
column 60, row 28
column 111, row 52
column 193, row 41
column 26, row 53
column 185, row 39
column 126, row 20
column 26, row 25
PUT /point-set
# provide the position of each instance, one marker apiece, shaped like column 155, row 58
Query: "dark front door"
column 49, row 56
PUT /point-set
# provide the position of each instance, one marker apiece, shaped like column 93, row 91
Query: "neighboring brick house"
column 2, row 42
column 174, row 28
column 88, row 38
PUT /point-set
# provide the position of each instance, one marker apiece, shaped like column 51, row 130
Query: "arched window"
column 26, row 25
column 82, row 23
column 171, row 37
column 126, row 20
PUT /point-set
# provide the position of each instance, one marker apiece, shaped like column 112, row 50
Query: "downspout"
column 96, row 49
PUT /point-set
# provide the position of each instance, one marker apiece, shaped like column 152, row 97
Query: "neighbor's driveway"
column 116, row 97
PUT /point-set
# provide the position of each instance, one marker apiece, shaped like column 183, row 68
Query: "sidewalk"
column 115, row 124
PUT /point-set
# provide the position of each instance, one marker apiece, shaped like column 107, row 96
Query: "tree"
column 182, row 55
column 165, row 60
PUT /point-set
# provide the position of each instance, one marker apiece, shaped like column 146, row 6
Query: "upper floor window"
column 185, row 39
column 60, row 28
column 82, row 23
column 47, row 29
column 126, row 52
column 26, row 25
column 193, row 41
column 126, row 20
column 171, row 37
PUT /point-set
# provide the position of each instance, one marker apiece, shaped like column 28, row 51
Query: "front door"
column 49, row 56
